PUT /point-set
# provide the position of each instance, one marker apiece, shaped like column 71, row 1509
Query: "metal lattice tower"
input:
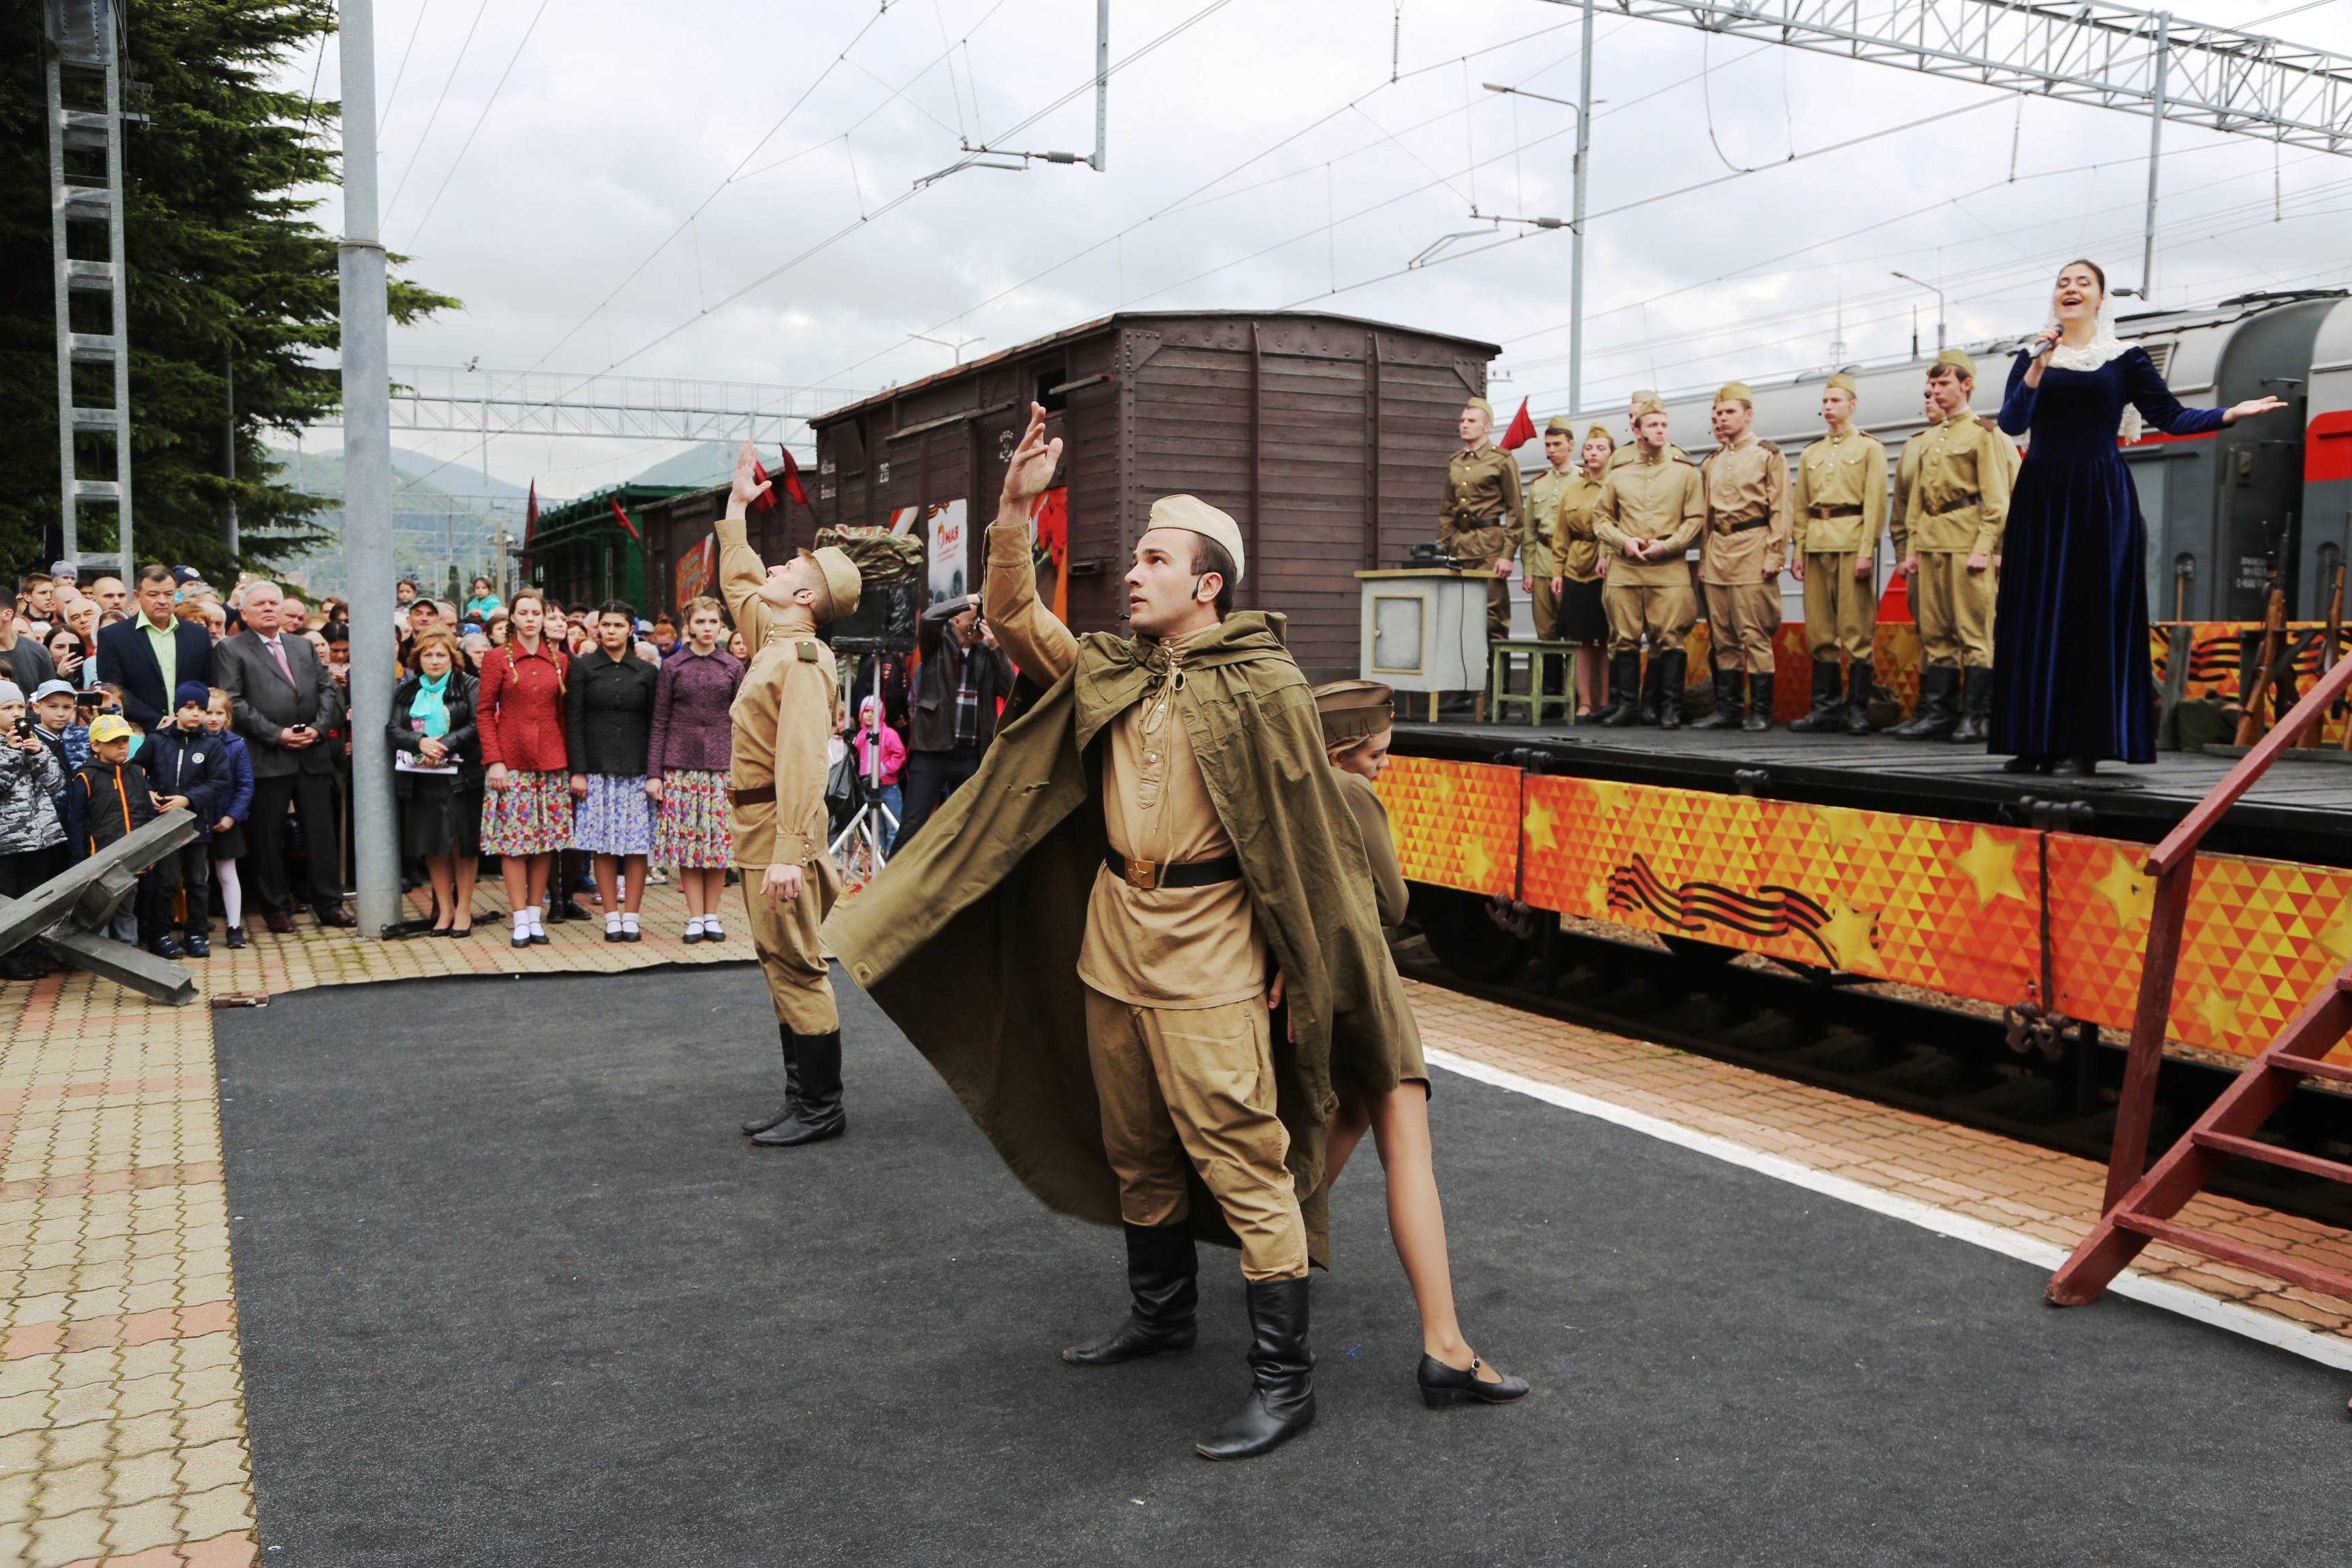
column 84, row 61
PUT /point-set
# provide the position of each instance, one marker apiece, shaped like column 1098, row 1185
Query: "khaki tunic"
column 1380, row 848
column 1481, row 485
column 1631, row 448
column 1161, row 947
column 1839, row 511
column 1951, row 501
column 784, row 714
column 1575, row 549
column 1660, row 499
column 1746, row 484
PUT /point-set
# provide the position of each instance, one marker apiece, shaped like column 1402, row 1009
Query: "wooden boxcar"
column 1325, row 437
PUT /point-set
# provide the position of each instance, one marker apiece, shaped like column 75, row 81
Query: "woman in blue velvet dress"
column 2071, row 682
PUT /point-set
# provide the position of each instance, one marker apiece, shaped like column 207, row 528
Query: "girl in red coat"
column 527, row 808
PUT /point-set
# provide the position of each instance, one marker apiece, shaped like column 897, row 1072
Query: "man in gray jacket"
column 283, row 702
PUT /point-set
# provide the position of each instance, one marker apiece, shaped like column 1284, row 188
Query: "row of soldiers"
column 1626, row 518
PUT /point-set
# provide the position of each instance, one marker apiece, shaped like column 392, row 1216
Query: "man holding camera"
column 1163, row 825
column 963, row 677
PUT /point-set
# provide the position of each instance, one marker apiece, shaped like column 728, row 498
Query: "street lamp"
column 1939, row 306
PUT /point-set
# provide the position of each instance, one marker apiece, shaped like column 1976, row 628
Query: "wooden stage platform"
column 2301, row 811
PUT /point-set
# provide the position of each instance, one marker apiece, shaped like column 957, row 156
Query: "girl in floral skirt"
column 526, row 809
column 687, row 763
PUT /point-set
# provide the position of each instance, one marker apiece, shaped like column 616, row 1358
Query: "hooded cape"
column 969, row 940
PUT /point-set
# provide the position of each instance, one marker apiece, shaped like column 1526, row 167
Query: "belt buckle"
column 1142, row 875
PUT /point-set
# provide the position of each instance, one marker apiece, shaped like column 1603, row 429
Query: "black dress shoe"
column 2074, row 767
column 334, row 915
column 164, row 947
column 1441, row 1385
column 571, row 909
column 1163, row 1277
column 460, row 933
column 2027, row 763
column 1281, row 1404
column 281, row 924
column 235, row 936
column 197, row 944
column 554, row 913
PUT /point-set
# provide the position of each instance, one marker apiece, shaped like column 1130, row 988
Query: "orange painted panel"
column 1456, row 825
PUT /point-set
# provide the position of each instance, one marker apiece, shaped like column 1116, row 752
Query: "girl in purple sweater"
column 687, row 758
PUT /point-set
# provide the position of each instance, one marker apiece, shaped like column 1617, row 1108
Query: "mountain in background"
column 711, row 463
column 440, row 533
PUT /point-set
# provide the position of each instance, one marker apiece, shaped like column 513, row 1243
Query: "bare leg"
column 633, row 883
column 1349, row 1123
column 516, row 872
column 605, row 865
column 467, row 867
column 1592, row 677
column 1417, row 1221
column 540, row 865
column 437, row 871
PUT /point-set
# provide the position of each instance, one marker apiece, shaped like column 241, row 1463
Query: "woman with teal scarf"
column 438, row 776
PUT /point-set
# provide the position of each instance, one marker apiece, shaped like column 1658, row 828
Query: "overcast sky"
column 724, row 190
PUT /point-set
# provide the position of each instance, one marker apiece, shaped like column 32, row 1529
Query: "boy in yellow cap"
column 1952, row 502
column 1838, row 515
column 1748, row 526
column 784, row 711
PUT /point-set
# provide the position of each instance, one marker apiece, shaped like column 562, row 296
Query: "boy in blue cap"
column 187, row 766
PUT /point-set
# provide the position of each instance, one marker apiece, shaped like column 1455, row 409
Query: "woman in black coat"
column 438, row 776
column 608, row 724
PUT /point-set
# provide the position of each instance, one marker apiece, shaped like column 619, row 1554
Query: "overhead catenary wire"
column 468, row 144
column 424, row 135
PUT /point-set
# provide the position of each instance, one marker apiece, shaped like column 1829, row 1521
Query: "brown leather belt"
column 1954, row 505
column 1818, row 512
column 758, row 795
column 1764, row 522
column 1146, row 875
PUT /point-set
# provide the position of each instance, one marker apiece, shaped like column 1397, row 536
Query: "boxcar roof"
column 1103, row 323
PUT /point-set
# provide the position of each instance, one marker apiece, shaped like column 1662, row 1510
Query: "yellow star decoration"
column 2127, row 889
column 1842, row 824
column 1596, row 896
column 2218, row 1013
column 1851, row 933
column 2336, row 938
column 1992, row 864
column 1607, row 796
column 1445, row 788
column 1476, row 864
column 1538, row 821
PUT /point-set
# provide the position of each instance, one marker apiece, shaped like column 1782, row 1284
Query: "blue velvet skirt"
column 2069, row 672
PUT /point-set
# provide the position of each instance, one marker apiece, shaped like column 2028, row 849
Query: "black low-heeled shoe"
column 1441, row 1385
column 2074, row 767
column 2026, row 764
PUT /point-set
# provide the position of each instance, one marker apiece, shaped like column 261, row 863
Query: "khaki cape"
column 970, row 940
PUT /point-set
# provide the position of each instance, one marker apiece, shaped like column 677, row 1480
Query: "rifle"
column 2311, row 736
column 2250, row 727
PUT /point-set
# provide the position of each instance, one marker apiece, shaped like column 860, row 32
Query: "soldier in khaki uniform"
column 1478, row 520
column 1576, row 571
column 1951, row 501
column 783, row 712
column 1748, row 527
column 1840, row 511
column 1649, row 511
column 1537, row 521
column 1632, row 448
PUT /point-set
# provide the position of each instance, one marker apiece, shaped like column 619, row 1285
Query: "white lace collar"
column 2103, row 347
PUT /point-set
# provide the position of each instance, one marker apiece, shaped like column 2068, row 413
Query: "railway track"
column 1815, row 1027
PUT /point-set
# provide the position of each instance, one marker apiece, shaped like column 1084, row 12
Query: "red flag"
column 1522, row 430
column 792, row 477
column 767, row 497
column 625, row 522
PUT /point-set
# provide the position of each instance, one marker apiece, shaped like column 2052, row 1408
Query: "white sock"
column 612, row 924
column 628, row 920
column 523, row 918
column 693, row 925
column 536, row 928
column 709, row 924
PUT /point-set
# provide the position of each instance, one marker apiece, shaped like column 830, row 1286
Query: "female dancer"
column 609, row 716
column 686, row 766
column 519, row 722
column 2071, row 676
column 1357, row 720
column 1576, row 553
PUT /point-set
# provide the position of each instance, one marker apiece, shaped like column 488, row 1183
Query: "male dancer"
column 1746, row 485
column 1099, row 938
column 1477, row 519
column 1951, row 503
column 1649, row 511
column 1840, row 511
column 783, row 711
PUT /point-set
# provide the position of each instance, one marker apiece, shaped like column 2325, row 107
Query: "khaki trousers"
column 1547, row 608
column 1841, row 609
column 784, row 937
column 1664, row 612
column 1953, row 608
column 1198, row 1083
column 1740, row 620
column 1498, row 608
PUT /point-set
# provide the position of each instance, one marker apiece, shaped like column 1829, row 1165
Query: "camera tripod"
column 857, row 849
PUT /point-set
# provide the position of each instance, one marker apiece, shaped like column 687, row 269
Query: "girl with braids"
column 527, row 804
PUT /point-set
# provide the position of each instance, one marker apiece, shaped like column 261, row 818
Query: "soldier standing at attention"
column 783, row 712
column 1538, row 519
column 1649, row 510
column 1839, row 513
column 1632, row 447
column 1748, row 530
column 1951, row 501
column 1576, row 565
column 1480, row 514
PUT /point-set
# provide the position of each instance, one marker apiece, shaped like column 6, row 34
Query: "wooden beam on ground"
column 133, row 968
column 59, row 898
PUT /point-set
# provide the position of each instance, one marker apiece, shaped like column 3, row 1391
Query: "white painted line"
column 2331, row 1350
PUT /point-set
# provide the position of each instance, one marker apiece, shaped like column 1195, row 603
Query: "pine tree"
column 225, row 270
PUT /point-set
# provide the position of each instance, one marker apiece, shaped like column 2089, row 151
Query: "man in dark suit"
column 283, row 702
column 132, row 654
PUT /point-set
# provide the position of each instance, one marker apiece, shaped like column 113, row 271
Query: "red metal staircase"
column 2140, row 1209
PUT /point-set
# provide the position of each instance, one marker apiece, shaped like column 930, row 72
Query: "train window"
column 1047, row 380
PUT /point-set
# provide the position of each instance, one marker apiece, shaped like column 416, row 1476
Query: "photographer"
column 963, row 677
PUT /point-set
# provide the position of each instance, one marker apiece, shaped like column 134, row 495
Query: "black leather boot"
column 1727, row 702
column 1825, row 718
column 1760, row 703
column 791, row 1086
column 1670, row 690
column 1860, row 681
column 1938, row 711
column 1281, row 1404
column 1976, row 707
column 818, row 1115
column 1624, row 678
column 1653, row 682
column 1163, row 1275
